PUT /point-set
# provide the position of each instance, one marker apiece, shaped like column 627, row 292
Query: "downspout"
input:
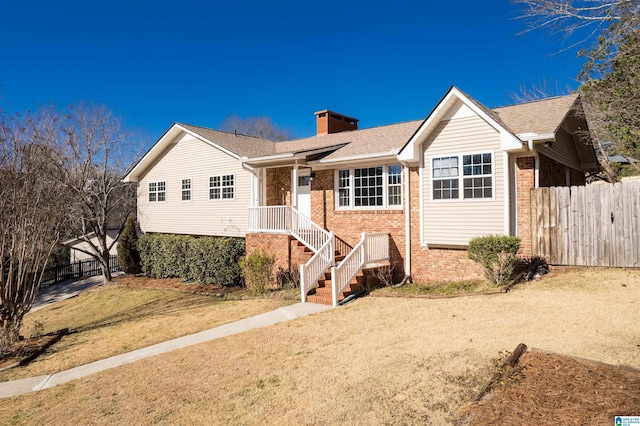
column 407, row 226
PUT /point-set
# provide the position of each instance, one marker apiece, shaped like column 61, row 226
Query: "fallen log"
column 511, row 361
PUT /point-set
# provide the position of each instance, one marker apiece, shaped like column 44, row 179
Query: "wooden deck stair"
column 322, row 293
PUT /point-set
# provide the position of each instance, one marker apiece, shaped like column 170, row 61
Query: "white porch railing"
column 372, row 247
column 271, row 219
column 316, row 266
column 287, row 220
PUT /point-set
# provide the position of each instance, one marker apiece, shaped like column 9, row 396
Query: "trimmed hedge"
column 497, row 254
column 207, row 260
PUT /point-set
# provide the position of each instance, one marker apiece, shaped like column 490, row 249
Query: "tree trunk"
column 9, row 333
column 104, row 263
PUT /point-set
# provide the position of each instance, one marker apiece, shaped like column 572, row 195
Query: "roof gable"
column 456, row 103
column 231, row 144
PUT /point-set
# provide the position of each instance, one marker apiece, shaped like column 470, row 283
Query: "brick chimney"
column 332, row 122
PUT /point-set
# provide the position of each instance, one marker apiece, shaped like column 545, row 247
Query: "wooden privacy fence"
column 594, row 225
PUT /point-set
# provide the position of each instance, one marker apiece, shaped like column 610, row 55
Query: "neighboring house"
column 76, row 244
column 419, row 190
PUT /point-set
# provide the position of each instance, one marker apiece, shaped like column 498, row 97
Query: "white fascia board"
column 153, row 153
column 411, row 151
column 162, row 144
column 267, row 158
column 392, row 155
column 509, row 142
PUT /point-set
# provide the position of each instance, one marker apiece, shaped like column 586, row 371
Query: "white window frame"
column 351, row 188
column 156, row 192
column 189, row 190
column 461, row 177
column 221, row 187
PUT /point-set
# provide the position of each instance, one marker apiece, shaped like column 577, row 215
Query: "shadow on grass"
column 167, row 306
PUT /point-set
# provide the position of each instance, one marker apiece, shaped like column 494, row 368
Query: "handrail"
column 307, row 231
column 371, row 247
column 316, row 266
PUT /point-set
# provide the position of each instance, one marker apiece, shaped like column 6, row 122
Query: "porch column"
column 294, row 186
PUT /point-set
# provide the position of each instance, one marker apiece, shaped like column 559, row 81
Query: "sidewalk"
column 299, row 310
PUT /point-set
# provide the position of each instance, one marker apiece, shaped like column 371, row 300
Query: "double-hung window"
column 469, row 175
column 222, row 187
column 157, row 191
column 369, row 187
column 186, row 189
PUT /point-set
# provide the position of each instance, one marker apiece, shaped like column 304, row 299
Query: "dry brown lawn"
column 127, row 315
column 375, row 361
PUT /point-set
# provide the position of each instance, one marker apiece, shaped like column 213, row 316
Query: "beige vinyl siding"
column 563, row 150
column 455, row 222
column 76, row 255
column 190, row 158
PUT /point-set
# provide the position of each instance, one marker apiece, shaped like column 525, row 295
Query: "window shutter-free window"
column 476, row 179
column 186, row 189
column 369, row 187
column 222, row 187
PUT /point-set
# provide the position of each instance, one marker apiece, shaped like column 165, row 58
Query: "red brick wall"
column 349, row 224
column 525, row 178
column 278, row 182
column 427, row 264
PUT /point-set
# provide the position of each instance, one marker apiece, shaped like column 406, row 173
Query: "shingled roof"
column 242, row 145
column 541, row 117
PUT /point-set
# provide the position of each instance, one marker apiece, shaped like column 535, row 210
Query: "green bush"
column 496, row 254
column 128, row 256
column 257, row 271
column 207, row 260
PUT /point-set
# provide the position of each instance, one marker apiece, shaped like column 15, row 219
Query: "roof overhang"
column 361, row 158
column 289, row 158
column 159, row 147
column 410, row 152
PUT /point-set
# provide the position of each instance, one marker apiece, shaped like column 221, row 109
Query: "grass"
column 375, row 361
column 112, row 320
column 435, row 289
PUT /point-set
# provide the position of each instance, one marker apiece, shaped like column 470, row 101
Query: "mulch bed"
column 551, row 389
column 24, row 351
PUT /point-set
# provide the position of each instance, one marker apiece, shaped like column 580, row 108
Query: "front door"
column 304, row 192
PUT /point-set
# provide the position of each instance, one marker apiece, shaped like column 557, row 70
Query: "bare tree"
column 33, row 212
column 538, row 91
column 262, row 127
column 610, row 30
column 97, row 153
column 581, row 21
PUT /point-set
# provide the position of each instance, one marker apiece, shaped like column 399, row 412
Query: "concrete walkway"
column 19, row 387
column 66, row 290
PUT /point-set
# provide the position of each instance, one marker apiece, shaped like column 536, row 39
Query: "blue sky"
column 196, row 61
